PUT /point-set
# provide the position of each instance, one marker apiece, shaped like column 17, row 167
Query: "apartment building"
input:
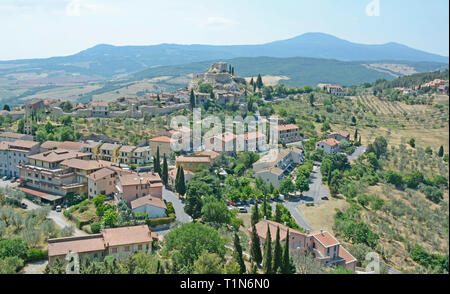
column 163, row 143
column 44, row 172
column 322, row 245
column 92, row 147
column 141, row 155
column 194, row 162
column 288, row 133
column 126, row 154
column 12, row 154
column 102, row 181
column 99, row 109
column 225, row 142
column 11, row 137
column 133, row 186
column 109, row 152
column 117, row 242
column 274, row 167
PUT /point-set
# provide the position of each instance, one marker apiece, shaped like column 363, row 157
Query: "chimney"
column 321, row 232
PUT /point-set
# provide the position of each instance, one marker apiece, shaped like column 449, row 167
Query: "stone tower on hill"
column 218, row 76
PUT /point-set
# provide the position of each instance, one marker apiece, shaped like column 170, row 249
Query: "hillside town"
column 113, row 200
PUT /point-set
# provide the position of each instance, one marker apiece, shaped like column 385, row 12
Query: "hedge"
column 153, row 222
column 36, row 254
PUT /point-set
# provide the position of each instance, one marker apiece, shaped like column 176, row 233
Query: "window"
column 114, row 250
column 127, row 248
column 139, row 247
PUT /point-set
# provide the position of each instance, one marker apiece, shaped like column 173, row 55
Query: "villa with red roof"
column 329, row 146
column 322, row 245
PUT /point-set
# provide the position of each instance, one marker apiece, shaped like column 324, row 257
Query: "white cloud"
column 79, row 7
column 213, row 22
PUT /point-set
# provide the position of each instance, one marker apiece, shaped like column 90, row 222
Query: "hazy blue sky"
column 43, row 28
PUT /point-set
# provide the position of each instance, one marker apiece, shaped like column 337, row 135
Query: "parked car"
column 23, row 205
column 4, row 178
column 13, row 180
column 243, row 210
column 58, row 208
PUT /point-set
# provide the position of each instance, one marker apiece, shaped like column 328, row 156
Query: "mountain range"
column 106, row 71
column 107, row 61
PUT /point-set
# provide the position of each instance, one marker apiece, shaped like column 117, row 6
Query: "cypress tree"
column 237, row 254
column 256, row 247
column 182, row 183
column 251, row 82
column 255, row 215
column 268, row 253
column 356, row 135
column 165, row 171
column 177, row 180
column 286, row 262
column 264, row 206
column 232, row 71
column 278, row 213
column 157, row 162
column 277, row 254
column 192, row 99
column 441, row 151
column 259, row 82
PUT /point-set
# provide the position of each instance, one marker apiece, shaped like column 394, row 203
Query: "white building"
column 329, row 146
column 274, row 167
column 12, row 154
column 152, row 206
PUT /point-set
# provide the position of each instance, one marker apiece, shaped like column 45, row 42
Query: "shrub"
column 364, row 200
column 13, row 247
column 413, row 180
column 36, row 254
column 95, row 228
column 153, row 222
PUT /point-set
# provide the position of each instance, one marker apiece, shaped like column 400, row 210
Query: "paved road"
column 316, row 189
column 34, row 268
column 57, row 217
column 359, row 151
column 297, row 215
column 182, row 216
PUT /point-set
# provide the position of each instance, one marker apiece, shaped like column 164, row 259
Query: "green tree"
column 192, row 99
column 441, row 151
column 278, row 213
column 268, row 253
column 181, row 183
column 301, row 183
column 287, row 186
column 157, row 162
column 286, row 262
column 208, row 263
column 186, row 243
column 255, row 250
column 237, row 254
column 6, row 107
column 165, row 171
column 110, row 218
column 259, row 82
column 412, row 143
column 277, row 254
column 216, row 212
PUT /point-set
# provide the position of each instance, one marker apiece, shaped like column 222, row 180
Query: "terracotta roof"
column 287, row 127
column 325, row 238
column 212, row 154
column 100, row 103
column 58, row 155
column 201, row 159
column 75, row 146
column 341, row 133
column 91, row 144
column 62, row 246
column 85, row 164
column 101, row 173
column 142, row 149
column 346, row 255
column 12, row 135
column 331, row 142
column 136, row 179
column 127, row 148
column 261, row 229
column 173, row 173
column 20, row 144
column 127, row 235
column 252, row 135
column 148, row 200
column 162, row 139
column 50, row 144
column 109, row 146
